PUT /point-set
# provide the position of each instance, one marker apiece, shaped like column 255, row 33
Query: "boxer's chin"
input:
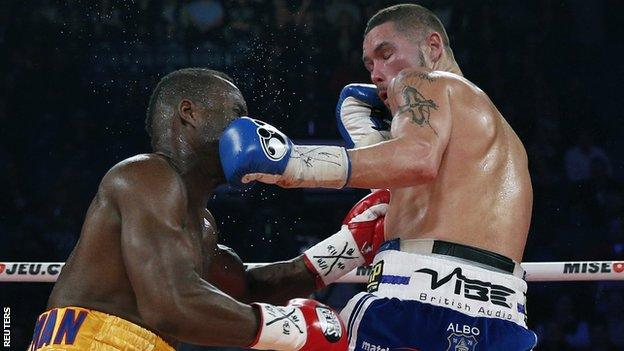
column 383, row 95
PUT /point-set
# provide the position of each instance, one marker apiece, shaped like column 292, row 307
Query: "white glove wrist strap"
column 281, row 328
column 335, row 256
column 317, row 166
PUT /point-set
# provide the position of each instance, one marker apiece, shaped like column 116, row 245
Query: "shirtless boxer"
column 461, row 195
column 147, row 271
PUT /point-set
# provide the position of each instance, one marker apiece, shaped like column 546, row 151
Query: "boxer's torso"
column 482, row 194
column 95, row 275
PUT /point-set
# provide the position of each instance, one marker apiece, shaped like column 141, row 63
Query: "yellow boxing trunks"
column 76, row 328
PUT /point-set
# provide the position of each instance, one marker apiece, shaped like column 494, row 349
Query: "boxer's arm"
column 421, row 127
column 280, row 281
column 274, row 283
column 158, row 255
column 225, row 270
column 360, row 236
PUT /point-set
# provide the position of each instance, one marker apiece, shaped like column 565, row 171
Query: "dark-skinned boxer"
column 147, row 271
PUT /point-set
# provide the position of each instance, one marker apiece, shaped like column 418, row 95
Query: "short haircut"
column 195, row 84
column 409, row 18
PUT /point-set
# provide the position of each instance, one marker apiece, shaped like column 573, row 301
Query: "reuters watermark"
column 6, row 327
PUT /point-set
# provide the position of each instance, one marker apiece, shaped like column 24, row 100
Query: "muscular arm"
column 421, row 128
column 158, row 255
column 274, row 283
column 280, row 281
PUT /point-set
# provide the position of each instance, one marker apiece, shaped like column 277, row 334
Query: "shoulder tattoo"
column 422, row 75
column 417, row 106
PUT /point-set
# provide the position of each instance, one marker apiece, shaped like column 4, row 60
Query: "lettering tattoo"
column 417, row 106
column 421, row 75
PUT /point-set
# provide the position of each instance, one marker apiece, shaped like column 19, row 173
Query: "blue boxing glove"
column 254, row 150
column 362, row 117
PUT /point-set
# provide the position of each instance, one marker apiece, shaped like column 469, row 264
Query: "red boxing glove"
column 356, row 243
column 303, row 324
column 326, row 331
column 366, row 222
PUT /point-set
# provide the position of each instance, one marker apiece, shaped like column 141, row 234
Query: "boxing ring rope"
column 47, row 272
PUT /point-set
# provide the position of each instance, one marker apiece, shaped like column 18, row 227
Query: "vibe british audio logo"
column 470, row 288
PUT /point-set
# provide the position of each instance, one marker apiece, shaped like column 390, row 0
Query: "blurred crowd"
column 76, row 76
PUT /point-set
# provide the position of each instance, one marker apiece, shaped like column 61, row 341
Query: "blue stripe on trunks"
column 394, row 279
column 354, row 313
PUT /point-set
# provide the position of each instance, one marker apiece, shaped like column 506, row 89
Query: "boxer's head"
column 404, row 36
column 192, row 107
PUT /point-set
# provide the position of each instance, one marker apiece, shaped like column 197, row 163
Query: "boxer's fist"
column 326, row 331
column 252, row 146
column 366, row 222
column 362, row 117
column 254, row 150
column 303, row 324
column 356, row 243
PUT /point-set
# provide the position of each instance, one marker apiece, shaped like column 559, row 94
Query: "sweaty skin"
column 147, row 255
column 481, row 195
column 148, row 249
column 456, row 169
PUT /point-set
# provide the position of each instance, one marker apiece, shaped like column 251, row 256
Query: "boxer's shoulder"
column 426, row 76
column 139, row 170
column 425, row 81
column 438, row 81
column 144, row 176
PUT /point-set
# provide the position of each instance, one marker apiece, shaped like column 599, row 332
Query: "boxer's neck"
column 447, row 64
column 199, row 168
column 199, row 187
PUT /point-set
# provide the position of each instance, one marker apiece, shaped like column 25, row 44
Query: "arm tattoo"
column 422, row 75
column 417, row 106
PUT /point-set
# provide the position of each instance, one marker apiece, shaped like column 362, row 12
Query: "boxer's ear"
column 433, row 46
column 188, row 112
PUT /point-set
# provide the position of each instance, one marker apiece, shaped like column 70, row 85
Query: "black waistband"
column 474, row 254
column 465, row 252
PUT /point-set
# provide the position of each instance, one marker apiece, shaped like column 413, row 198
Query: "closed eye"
column 387, row 55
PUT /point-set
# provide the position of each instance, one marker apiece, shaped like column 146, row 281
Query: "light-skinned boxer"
column 147, row 271
column 448, row 276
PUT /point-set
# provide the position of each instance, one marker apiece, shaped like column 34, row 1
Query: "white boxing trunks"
column 465, row 299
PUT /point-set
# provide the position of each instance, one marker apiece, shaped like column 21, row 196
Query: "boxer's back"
column 95, row 275
column 482, row 193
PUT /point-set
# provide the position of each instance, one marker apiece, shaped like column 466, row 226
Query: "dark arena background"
column 75, row 78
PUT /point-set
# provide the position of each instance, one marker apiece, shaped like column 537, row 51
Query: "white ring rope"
column 45, row 272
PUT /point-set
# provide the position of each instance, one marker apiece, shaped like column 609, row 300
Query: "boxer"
column 147, row 271
column 448, row 277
